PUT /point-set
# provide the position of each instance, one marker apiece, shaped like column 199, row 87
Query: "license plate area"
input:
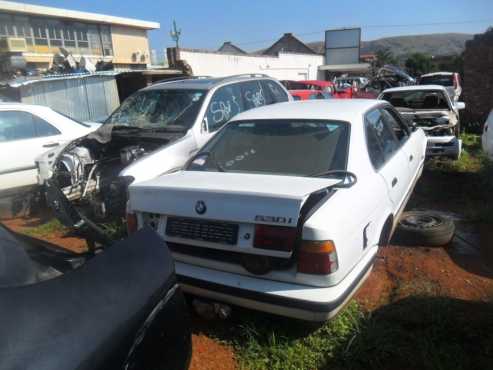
column 205, row 230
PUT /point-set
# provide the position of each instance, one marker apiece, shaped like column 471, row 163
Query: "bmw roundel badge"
column 200, row 207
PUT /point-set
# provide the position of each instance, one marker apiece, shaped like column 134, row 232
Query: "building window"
column 105, row 33
column 6, row 26
column 82, row 41
column 40, row 36
column 55, row 35
column 69, row 37
column 24, row 31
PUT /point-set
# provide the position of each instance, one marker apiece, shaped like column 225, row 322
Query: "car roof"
column 14, row 105
column 415, row 88
column 438, row 74
column 203, row 83
column 348, row 110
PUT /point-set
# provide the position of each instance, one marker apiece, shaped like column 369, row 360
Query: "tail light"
column 277, row 238
column 317, row 257
column 131, row 223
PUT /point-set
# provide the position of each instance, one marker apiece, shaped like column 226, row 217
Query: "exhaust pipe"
column 211, row 310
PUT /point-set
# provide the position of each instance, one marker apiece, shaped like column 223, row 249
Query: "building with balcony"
column 37, row 32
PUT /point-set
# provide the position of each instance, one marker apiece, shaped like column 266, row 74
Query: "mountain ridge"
column 437, row 44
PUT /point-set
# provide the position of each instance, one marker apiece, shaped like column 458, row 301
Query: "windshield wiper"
column 127, row 128
column 345, row 175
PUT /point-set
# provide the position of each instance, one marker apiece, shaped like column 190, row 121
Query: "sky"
column 256, row 24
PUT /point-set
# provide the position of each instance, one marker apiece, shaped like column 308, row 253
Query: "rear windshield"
column 437, row 80
column 281, row 147
column 416, row 99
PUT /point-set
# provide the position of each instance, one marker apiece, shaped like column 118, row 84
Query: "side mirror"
column 460, row 105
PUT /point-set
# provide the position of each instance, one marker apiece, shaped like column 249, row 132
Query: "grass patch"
column 472, row 158
column 423, row 333
column 420, row 332
column 47, row 229
column 289, row 344
column 462, row 186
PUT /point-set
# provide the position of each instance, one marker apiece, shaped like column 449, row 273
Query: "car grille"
column 210, row 231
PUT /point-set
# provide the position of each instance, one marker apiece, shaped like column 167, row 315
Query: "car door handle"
column 411, row 157
column 394, row 182
column 50, row 145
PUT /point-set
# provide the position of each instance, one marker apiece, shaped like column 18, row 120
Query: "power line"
column 479, row 21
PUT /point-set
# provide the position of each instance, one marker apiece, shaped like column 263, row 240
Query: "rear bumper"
column 280, row 298
column 447, row 146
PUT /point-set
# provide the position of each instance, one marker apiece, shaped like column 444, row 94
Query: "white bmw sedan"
column 284, row 209
column 26, row 131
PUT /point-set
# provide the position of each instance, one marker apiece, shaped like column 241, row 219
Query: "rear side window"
column 252, row 94
column 390, row 119
column 43, row 128
column 381, row 140
column 273, row 92
column 225, row 103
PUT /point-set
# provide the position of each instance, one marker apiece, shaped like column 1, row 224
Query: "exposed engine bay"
column 86, row 173
column 434, row 123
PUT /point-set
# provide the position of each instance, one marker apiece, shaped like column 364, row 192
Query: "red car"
column 309, row 94
column 319, row 85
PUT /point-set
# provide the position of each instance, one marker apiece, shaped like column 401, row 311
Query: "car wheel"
column 424, row 228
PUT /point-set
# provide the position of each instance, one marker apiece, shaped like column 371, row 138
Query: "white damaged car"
column 430, row 108
column 284, row 209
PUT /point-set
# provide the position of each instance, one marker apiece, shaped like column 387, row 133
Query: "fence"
column 89, row 97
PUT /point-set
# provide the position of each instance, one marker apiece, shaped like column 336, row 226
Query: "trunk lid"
column 231, row 197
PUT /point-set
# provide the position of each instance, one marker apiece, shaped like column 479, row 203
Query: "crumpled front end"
column 441, row 129
column 84, row 178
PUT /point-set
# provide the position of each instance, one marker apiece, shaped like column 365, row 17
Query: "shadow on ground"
column 418, row 332
column 421, row 333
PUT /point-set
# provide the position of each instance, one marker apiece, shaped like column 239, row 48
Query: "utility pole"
column 175, row 34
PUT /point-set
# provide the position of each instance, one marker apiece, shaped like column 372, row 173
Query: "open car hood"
column 251, row 198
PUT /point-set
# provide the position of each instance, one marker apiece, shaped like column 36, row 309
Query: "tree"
column 385, row 56
column 419, row 63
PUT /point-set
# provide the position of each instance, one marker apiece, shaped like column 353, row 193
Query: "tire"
column 424, row 228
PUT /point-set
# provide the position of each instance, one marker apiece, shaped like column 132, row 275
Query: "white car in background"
column 487, row 138
column 284, row 209
column 449, row 80
column 430, row 108
column 27, row 131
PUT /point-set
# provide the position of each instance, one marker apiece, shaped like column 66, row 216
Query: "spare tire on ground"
column 424, row 228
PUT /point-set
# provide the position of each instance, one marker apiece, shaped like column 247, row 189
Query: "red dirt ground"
column 60, row 238
column 400, row 272
column 211, row 355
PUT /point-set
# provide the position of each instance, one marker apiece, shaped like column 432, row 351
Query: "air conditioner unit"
column 16, row 44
